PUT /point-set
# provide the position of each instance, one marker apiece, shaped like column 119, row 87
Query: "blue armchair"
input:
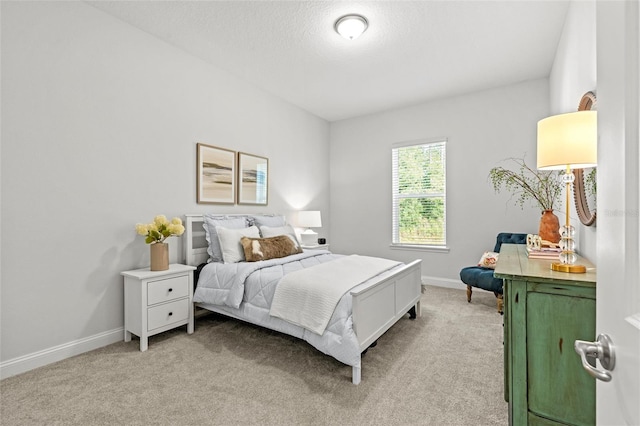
column 480, row 277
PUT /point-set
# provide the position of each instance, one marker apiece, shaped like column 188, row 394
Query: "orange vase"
column 549, row 227
column 159, row 256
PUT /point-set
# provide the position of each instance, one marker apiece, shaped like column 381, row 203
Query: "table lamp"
column 566, row 141
column 309, row 219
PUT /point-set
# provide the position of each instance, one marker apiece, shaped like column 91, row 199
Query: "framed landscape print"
column 216, row 179
column 253, row 179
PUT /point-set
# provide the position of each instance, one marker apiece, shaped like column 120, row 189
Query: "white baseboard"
column 444, row 282
column 58, row 353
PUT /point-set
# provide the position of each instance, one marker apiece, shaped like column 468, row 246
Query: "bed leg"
column 355, row 374
column 415, row 311
column 412, row 312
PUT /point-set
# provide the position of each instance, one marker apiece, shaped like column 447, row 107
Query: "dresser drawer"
column 168, row 289
column 168, row 313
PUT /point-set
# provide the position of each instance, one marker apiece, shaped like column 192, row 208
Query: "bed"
column 254, row 291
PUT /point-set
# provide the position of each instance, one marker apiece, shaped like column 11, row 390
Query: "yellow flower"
column 141, row 229
column 161, row 220
column 160, row 229
column 175, row 229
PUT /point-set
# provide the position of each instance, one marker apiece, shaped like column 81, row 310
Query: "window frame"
column 396, row 197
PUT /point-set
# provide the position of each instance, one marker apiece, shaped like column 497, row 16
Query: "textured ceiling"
column 413, row 51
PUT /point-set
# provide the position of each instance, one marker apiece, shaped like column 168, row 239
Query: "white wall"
column 573, row 74
column 99, row 129
column 482, row 128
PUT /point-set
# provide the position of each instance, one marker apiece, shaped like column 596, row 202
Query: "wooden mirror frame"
column 586, row 215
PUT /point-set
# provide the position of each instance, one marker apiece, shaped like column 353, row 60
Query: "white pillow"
column 210, row 223
column 274, row 231
column 267, row 220
column 232, row 251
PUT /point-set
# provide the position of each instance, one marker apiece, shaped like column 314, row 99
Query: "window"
column 419, row 193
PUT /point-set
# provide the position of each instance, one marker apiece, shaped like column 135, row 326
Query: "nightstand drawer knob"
column 170, row 313
column 170, row 290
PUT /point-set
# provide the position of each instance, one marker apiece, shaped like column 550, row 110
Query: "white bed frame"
column 375, row 308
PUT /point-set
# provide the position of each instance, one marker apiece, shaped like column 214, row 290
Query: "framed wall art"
column 253, row 179
column 216, row 175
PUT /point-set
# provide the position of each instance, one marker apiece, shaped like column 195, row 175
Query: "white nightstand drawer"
column 166, row 314
column 164, row 290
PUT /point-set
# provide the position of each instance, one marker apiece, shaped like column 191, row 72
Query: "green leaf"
column 527, row 184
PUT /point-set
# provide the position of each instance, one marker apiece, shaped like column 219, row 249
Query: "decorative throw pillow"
column 232, row 251
column 210, row 224
column 488, row 260
column 268, row 248
column 274, row 231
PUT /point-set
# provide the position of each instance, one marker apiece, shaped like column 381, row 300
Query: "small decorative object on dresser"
column 540, row 187
column 157, row 301
column 537, row 248
column 156, row 232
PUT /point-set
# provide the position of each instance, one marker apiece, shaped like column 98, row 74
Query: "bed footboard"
column 378, row 306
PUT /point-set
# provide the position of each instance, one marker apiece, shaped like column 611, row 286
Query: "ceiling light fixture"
column 351, row 26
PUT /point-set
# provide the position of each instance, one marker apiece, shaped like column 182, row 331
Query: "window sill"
column 433, row 249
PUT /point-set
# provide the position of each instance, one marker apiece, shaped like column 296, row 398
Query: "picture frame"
column 216, row 175
column 253, row 179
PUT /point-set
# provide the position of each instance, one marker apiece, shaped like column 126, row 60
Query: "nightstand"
column 316, row 247
column 157, row 301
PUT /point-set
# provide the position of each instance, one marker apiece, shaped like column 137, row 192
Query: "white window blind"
column 419, row 194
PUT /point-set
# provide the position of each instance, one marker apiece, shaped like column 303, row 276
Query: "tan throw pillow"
column 268, row 248
column 488, row 260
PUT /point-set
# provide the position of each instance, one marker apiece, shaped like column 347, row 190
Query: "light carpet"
column 444, row 368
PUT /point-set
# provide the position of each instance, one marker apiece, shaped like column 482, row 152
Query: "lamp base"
column 564, row 267
column 309, row 238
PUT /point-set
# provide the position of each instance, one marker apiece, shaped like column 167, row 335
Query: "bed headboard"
column 195, row 243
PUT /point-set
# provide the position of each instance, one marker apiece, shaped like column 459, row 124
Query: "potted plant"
column 540, row 187
column 156, row 233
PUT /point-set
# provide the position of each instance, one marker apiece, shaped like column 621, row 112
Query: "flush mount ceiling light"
column 351, row 26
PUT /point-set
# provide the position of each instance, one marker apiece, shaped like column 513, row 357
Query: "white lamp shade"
column 351, row 26
column 568, row 140
column 309, row 219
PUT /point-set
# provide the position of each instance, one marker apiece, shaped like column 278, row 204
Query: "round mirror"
column 584, row 185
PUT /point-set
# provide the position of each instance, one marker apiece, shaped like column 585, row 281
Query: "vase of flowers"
column 542, row 188
column 156, row 233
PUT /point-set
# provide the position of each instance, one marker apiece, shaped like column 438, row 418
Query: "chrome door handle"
column 602, row 349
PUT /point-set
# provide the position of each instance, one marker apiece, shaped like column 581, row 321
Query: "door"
column 618, row 207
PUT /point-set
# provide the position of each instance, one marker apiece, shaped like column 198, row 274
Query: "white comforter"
column 308, row 297
column 245, row 290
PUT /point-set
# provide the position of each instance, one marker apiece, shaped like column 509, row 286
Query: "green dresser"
column 544, row 313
